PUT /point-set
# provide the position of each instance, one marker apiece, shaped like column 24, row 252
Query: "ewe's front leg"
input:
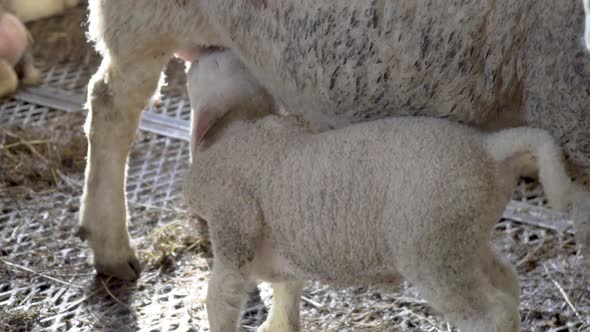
column 117, row 94
column 284, row 313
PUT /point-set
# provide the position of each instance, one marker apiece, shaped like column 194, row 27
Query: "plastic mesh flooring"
column 46, row 280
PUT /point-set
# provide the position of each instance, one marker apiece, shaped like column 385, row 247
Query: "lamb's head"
column 220, row 86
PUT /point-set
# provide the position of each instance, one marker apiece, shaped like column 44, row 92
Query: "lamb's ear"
column 202, row 121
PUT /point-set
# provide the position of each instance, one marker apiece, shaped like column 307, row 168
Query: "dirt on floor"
column 47, row 280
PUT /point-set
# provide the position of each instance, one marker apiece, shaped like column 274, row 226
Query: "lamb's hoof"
column 127, row 271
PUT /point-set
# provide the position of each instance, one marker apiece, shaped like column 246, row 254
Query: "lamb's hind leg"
column 117, row 94
column 479, row 295
column 235, row 230
column 284, row 313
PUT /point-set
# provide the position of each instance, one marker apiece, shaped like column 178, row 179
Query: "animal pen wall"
column 47, row 282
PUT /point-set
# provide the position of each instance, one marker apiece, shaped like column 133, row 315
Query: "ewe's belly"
column 353, row 60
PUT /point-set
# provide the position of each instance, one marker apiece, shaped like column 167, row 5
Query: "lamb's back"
column 340, row 199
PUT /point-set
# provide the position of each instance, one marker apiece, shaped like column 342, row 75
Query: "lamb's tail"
column 510, row 143
column 560, row 190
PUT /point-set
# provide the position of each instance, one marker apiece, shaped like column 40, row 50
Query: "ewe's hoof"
column 112, row 258
column 127, row 271
column 120, row 263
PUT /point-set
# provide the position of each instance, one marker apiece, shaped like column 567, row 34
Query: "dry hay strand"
column 165, row 245
column 553, row 278
column 43, row 155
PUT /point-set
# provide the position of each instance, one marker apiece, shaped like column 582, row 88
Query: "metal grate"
column 13, row 112
column 68, row 78
column 174, row 106
column 156, row 169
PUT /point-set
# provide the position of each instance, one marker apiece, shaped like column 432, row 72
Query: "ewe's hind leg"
column 478, row 295
column 117, row 94
column 284, row 313
column 227, row 291
column 502, row 275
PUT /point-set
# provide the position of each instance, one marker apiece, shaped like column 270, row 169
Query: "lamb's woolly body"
column 358, row 203
column 411, row 198
column 373, row 203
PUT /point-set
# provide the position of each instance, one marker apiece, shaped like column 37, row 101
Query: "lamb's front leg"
column 117, row 94
column 284, row 313
column 226, row 294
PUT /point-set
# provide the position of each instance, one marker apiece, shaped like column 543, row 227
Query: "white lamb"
column 371, row 203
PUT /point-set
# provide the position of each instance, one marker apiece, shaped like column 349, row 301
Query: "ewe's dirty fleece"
column 489, row 63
